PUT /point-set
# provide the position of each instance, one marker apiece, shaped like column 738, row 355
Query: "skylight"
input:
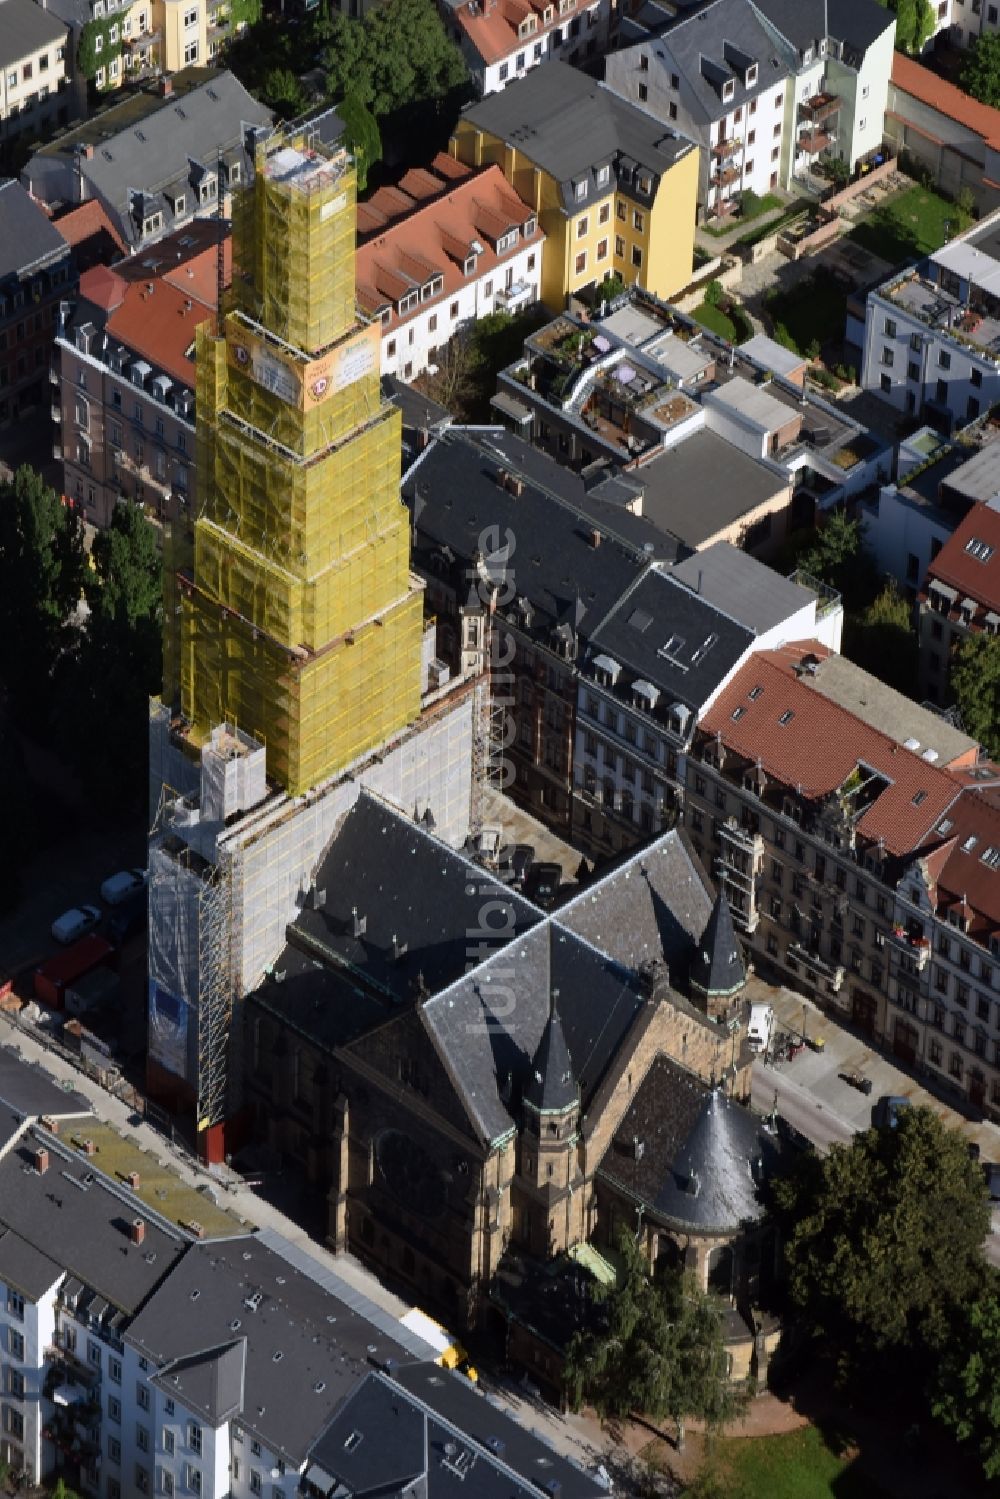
column 981, row 550
column 786, row 717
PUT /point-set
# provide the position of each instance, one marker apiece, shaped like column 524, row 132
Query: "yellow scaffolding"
column 293, row 611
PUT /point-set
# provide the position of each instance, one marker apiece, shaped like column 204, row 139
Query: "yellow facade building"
column 297, row 617
column 615, row 191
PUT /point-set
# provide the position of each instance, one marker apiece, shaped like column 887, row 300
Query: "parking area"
column 820, row 1073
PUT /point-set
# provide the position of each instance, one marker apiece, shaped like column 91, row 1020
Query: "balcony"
column 724, row 149
column 831, row 973
column 916, row 947
column 519, row 294
column 819, row 108
column 726, row 176
column 812, row 142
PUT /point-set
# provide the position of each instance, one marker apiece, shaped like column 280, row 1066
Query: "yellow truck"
column 448, row 1351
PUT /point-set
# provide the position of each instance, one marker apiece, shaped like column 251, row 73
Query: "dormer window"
column 603, row 174
column 469, row 265
column 807, row 55
column 179, row 203
column 645, row 185
column 547, row 14
column 529, row 228
column 152, row 224
column 751, row 75
column 385, row 314
column 579, row 191
column 729, row 89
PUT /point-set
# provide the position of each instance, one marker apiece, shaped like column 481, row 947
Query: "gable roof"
column 949, row 100
column 570, row 127
column 714, row 46
column 24, row 28
column 29, row 241
column 209, row 1382
column 771, row 713
column 856, row 23
column 159, row 322
column 969, row 561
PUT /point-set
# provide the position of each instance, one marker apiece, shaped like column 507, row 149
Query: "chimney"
column 137, row 1231
column 516, row 484
column 87, row 151
column 595, row 538
column 424, row 437
column 88, row 1147
column 41, row 1160
column 166, row 88
column 360, row 923
column 52, row 1125
column 133, row 1180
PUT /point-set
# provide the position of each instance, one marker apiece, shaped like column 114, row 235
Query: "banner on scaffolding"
column 304, row 383
column 168, row 1030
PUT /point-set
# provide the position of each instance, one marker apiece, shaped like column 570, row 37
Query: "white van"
column 761, row 1027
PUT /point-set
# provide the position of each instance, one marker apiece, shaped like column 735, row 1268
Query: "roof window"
column 981, row 550
column 786, row 717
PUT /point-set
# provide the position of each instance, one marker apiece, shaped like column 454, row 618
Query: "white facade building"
column 501, row 40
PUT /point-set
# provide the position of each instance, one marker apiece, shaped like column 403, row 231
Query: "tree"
column 975, row 682
column 660, row 1350
column 117, row 663
column 837, row 557
column 966, row 1392
column 42, row 570
column 399, row 54
column 914, row 23
column 361, row 136
column 284, row 93
column 713, row 294
column 883, row 1240
column 981, row 69
column 884, row 641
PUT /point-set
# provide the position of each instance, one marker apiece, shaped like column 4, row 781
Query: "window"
column 604, row 213
column 673, row 111
column 190, row 18
column 168, row 1482
column 581, row 263
column 256, row 1487
column 519, row 62
column 890, row 328
column 887, row 356
column 643, row 93
column 390, row 348
column 619, row 246
column 582, row 226
column 142, row 1395
column 15, row 1304
column 602, row 249
column 193, row 1479
column 15, row 1383
column 94, row 1354
column 194, row 1437
column 114, row 1409
column 638, row 220
column 142, row 1438
column 885, row 381
column 114, row 1449
column 636, row 255
column 141, row 1479
column 115, row 1370
column 15, row 1343
column 944, row 359
column 580, row 191
column 27, row 70
column 191, row 52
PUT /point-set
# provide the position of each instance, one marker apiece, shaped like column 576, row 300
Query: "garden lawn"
column 910, row 225
column 795, row 1465
column 715, row 321
column 812, row 309
column 766, row 204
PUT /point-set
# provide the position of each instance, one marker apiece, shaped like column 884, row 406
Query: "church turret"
column 718, row 970
column 549, row 1133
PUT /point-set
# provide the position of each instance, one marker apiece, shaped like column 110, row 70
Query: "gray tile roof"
column 856, row 23
column 431, row 1429
column 551, row 1084
column 77, row 1211
column 718, row 967
column 653, row 906
column 27, row 1088
column 306, row 1350
column 210, row 1383
column 28, row 240
column 489, row 1024
column 24, row 28
column 703, row 1155
column 26, row 1267
column 665, row 634
column 714, row 45
column 748, row 590
column 570, row 127
column 704, row 485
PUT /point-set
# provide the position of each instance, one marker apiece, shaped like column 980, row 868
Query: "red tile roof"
column 390, row 204
column 159, row 325
column 491, row 25
column 434, row 240
column 967, row 564
column 811, row 744
column 946, row 98
column 89, row 221
column 102, row 286
column 965, row 868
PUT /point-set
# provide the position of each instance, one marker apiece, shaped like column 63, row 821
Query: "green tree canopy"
column 966, row 1393
column 42, row 569
column 883, row 639
column 116, row 663
column 914, row 23
column 975, row 681
column 399, row 54
column 981, row 69
column 883, row 1239
column 361, row 136
column 660, row 1351
column 837, row 556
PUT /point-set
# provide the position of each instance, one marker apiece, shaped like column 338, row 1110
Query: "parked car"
column 885, row 1114
column 74, row 924
column 118, row 887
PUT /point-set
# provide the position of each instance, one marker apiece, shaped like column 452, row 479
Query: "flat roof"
column 703, row 485
column 755, row 402
column 748, row 590
column 30, row 1090
column 772, row 355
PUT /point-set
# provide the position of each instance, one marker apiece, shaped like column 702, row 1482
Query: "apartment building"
column 960, row 597
column 124, row 408
column 965, row 20
column 34, row 74
column 36, row 273
column 932, row 332
column 440, row 250
column 829, row 807
column 156, row 161
column 751, row 453
column 501, row 40
column 614, row 189
column 763, row 88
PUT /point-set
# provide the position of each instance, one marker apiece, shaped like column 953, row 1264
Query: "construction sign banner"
column 299, row 382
